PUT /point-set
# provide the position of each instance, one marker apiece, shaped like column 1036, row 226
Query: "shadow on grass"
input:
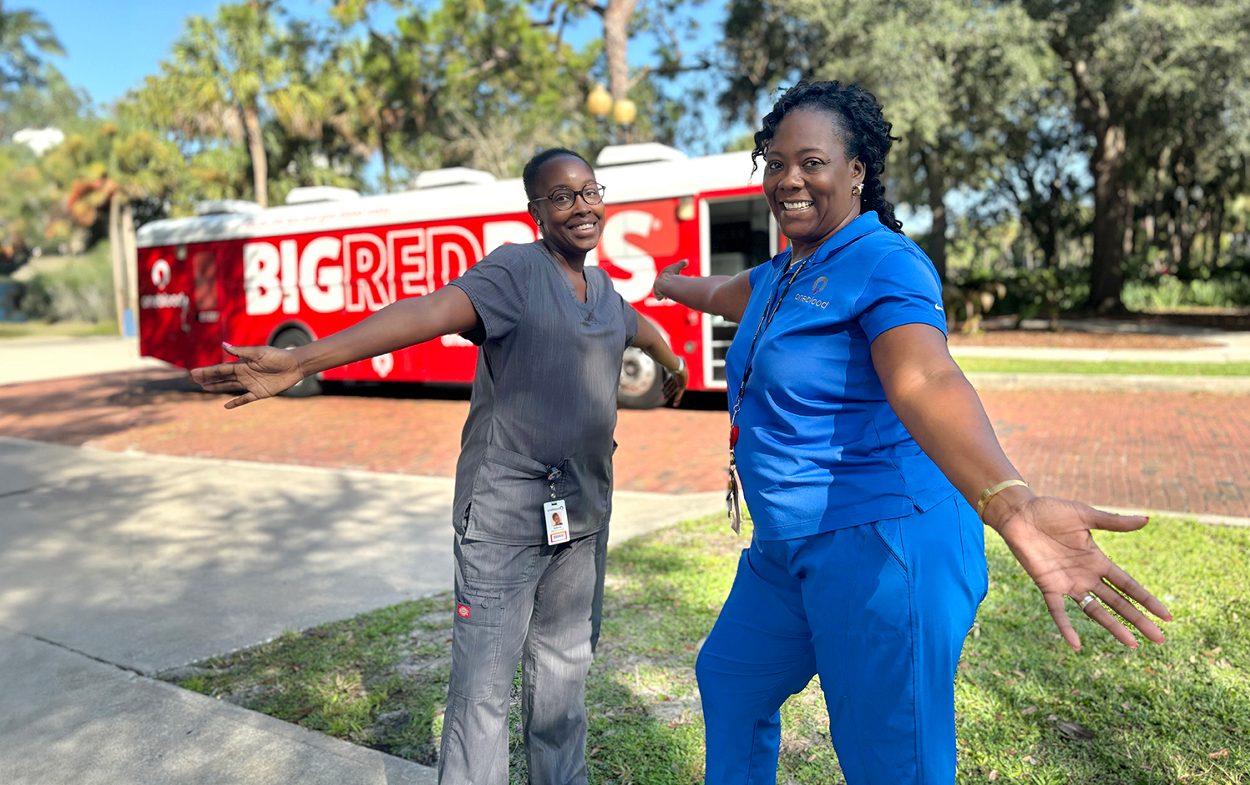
column 378, row 680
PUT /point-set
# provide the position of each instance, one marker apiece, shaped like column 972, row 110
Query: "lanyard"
column 770, row 311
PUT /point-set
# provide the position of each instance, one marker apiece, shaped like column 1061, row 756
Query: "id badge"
column 557, row 519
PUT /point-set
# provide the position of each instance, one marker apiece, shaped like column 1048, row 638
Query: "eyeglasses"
column 563, row 199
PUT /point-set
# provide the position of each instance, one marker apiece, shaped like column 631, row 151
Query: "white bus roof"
column 625, row 183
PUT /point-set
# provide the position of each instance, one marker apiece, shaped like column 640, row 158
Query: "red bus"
column 287, row 275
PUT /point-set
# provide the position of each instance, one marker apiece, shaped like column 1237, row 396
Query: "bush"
column 82, row 291
column 1047, row 292
column 1168, row 292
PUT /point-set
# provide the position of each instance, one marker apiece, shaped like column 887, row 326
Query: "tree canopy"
column 1103, row 137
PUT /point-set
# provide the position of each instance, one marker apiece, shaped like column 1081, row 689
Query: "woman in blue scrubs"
column 869, row 467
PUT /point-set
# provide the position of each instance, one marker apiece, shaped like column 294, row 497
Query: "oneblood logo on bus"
column 365, row 271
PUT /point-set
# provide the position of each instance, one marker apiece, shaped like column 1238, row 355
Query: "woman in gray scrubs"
column 526, row 590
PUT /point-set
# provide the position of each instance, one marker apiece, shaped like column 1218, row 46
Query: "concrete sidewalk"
column 39, row 359
column 1228, row 346
column 116, row 567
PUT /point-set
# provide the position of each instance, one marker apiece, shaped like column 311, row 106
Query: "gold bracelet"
column 994, row 490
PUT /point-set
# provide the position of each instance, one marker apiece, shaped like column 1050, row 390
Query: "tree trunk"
column 1106, row 276
column 1182, row 240
column 386, row 164
column 1217, row 235
column 935, row 190
column 616, row 45
column 1048, row 238
column 256, row 152
column 118, row 257
column 130, row 258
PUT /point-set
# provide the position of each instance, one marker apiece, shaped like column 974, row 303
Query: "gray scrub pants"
column 539, row 605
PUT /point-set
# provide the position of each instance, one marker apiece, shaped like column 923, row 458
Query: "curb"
column 1224, row 385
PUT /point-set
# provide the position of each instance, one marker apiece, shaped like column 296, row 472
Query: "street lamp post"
column 600, row 104
column 624, row 112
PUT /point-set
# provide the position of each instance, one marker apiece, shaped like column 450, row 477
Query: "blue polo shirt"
column 819, row 447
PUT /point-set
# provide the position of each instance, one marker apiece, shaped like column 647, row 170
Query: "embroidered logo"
column 820, row 284
column 463, row 610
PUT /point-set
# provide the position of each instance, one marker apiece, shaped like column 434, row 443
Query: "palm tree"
column 220, row 79
column 24, row 37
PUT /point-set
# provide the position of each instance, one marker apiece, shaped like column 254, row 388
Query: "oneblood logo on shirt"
column 817, row 286
column 803, row 298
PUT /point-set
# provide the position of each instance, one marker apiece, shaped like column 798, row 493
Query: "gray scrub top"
column 543, row 407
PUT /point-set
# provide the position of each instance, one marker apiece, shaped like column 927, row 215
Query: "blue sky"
column 110, row 52
column 111, row 47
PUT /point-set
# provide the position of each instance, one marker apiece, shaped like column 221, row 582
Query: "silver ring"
column 1087, row 599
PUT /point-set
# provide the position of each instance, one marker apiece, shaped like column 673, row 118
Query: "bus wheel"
column 642, row 381
column 289, row 339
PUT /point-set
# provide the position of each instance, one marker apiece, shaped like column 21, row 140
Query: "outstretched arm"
column 652, row 342
column 722, row 295
column 264, row 371
column 1049, row 537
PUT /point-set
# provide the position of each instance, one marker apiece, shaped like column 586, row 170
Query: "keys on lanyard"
column 731, row 494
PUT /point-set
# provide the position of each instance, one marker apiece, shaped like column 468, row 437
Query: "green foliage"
column 49, row 102
column 25, row 38
column 80, row 291
column 1170, row 293
column 950, row 76
column 1103, row 367
column 1009, row 110
column 1046, row 292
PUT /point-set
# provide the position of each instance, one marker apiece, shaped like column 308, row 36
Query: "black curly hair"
column 858, row 122
column 530, row 175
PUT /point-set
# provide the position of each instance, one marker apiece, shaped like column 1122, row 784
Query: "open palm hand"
column 261, row 372
column 1051, row 539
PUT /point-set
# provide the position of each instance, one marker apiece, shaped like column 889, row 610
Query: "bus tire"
column 642, row 381
column 289, row 339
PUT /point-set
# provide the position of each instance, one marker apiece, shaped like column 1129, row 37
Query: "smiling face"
column 808, row 180
column 573, row 232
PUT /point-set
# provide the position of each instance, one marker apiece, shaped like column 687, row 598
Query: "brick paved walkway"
column 1169, row 451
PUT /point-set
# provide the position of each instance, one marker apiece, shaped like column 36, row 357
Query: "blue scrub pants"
column 880, row 611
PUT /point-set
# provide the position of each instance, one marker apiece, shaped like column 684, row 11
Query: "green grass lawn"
column 55, row 330
column 1028, row 709
column 1118, row 367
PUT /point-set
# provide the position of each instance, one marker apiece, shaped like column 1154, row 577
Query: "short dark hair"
column 530, row 175
column 858, row 121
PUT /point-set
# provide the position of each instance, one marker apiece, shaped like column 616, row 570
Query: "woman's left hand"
column 675, row 385
column 1051, row 539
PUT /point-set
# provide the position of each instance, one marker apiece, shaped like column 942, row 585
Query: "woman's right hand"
column 666, row 275
column 262, row 372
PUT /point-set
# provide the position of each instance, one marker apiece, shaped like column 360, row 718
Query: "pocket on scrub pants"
column 476, row 641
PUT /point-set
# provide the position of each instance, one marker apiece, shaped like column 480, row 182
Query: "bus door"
column 180, row 305
column 738, row 233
